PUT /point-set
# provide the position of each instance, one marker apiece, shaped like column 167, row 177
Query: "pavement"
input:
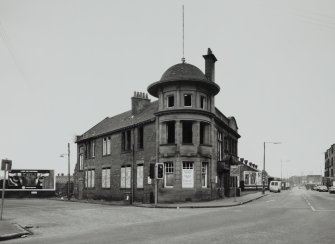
column 10, row 230
column 245, row 197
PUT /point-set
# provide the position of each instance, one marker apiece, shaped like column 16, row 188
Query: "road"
column 296, row 216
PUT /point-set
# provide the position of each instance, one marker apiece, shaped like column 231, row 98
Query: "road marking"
column 309, row 204
column 272, row 200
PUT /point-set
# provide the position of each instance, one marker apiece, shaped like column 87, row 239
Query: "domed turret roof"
column 183, row 72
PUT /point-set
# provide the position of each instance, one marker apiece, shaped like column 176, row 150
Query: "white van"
column 275, row 186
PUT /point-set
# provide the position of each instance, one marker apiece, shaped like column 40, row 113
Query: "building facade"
column 182, row 129
column 329, row 166
column 329, row 161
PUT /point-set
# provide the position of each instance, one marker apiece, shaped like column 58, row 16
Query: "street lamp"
column 68, row 170
column 263, row 175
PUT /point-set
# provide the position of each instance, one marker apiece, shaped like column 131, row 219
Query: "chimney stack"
column 210, row 60
column 139, row 102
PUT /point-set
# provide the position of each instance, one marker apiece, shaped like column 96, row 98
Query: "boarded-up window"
column 187, row 175
column 139, row 178
column 125, row 177
column 106, row 178
column 89, row 176
column 168, row 174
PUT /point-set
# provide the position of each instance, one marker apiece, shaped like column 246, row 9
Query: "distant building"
column 183, row 130
column 329, row 161
column 61, row 184
column 314, row 179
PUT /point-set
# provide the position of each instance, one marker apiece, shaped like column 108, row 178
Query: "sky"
column 65, row 65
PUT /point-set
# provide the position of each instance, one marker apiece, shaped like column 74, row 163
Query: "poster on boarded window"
column 27, row 179
column 187, row 178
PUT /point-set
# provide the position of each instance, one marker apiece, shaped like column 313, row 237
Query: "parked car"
column 275, row 186
column 323, row 188
column 331, row 189
column 315, row 188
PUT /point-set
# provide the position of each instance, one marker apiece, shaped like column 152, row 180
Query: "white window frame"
column 106, row 146
column 168, row 169
column 106, row 178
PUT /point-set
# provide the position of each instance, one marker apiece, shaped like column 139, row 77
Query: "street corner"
column 10, row 230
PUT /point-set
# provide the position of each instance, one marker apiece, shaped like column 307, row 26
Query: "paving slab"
column 10, row 230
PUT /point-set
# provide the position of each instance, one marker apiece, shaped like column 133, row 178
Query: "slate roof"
column 120, row 121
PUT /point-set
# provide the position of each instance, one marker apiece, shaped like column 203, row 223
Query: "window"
column 125, row 176
column 170, row 101
column 170, row 128
column 126, row 141
column 140, row 137
column 106, row 146
column 220, row 146
column 106, row 178
column 168, row 174
column 203, row 103
column 81, row 161
column 204, row 133
column 187, row 175
column 187, row 100
column 187, row 132
column 89, row 176
column 139, row 178
column 204, row 172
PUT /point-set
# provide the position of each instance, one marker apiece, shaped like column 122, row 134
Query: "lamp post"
column 68, row 170
column 263, row 175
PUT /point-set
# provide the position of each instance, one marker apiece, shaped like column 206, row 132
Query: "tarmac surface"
column 9, row 229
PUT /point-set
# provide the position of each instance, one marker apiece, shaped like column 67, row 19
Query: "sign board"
column 252, row 178
column 234, row 170
column 6, row 164
column 28, row 179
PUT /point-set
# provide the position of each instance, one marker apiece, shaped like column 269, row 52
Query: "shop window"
column 187, row 132
column 187, row 100
column 203, row 102
column 204, row 174
column 204, row 133
column 140, row 137
column 139, row 178
column 106, row 146
column 170, row 101
column 170, row 128
column 125, row 177
column 168, row 174
column 106, row 178
column 89, row 176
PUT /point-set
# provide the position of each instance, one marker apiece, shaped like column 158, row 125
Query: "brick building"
column 329, row 166
column 182, row 129
column 329, row 161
